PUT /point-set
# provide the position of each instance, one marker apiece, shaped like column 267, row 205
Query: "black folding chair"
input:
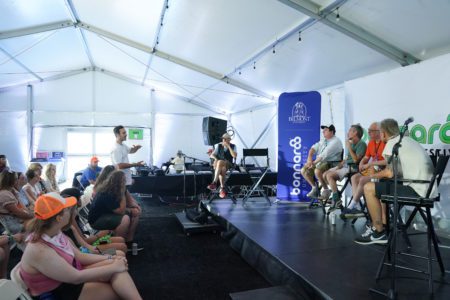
column 422, row 205
column 256, row 176
column 213, row 195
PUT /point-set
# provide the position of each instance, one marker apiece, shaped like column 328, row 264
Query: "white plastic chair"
column 11, row 290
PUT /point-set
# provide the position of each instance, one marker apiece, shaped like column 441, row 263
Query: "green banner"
column 135, row 134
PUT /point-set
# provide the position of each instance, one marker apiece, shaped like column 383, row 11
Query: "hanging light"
column 273, row 49
column 337, row 14
column 240, row 72
column 299, row 36
column 254, row 65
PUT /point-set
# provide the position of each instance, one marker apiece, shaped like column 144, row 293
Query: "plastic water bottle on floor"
column 333, row 218
column 134, row 249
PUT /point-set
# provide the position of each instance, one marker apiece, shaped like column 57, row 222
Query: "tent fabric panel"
column 135, row 19
column 14, row 99
column 167, row 103
column 187, row 130
column 117, row 57
column 17, row 14
column 61, row 52
column 322, row 58
column 68, row 94
column 115, row 95
column 220, row 34
column 402, row 23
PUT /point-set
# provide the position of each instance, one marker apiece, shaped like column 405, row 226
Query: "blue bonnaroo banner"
column 298, row 130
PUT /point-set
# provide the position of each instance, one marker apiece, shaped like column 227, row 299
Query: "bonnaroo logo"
column 296, row 144
column 299, row 113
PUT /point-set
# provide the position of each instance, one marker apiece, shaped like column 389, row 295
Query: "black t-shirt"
column 103, row 203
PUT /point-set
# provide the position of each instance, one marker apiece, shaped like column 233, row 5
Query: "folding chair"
column 422, row 205
column 317, row 199
column 215, row 193
column 11, row 290
column 256, row 176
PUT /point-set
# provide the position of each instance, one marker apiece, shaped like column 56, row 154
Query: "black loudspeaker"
column 213, row 129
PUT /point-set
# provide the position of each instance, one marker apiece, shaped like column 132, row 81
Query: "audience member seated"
column 20, row 183
column 49, row 178
column 6, row 241
column 356, row 148
column 223, row 155
column 326, row 151
column 31, row 188
column 89, row 191
column 91, row 173
column 3, row 162
column 99, row 243
column 371, row 163
column 12, row 212
column 37, row 167
column 414, row 163
column 109, row 207
column 52, row 267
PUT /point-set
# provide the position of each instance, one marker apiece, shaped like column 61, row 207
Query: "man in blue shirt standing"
column 91, row 173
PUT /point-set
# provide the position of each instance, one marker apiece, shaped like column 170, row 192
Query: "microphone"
column 409, row 120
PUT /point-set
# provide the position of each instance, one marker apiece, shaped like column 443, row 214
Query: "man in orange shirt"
column 371, row 163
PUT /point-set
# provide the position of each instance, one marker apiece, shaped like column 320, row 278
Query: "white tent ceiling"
column 219, row 54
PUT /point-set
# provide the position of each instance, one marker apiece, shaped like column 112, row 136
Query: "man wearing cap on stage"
column 326, row 150
column 91, row 173
column 223, row 155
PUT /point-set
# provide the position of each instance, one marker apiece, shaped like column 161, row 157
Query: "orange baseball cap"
column 94, row 159
column 49, row 205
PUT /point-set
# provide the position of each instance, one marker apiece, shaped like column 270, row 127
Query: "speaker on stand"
column 213, row 129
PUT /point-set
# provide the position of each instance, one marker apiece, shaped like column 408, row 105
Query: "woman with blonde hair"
column 49, row 178
column 52, row 266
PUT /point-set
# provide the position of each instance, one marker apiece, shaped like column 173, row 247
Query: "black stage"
column 290, row 244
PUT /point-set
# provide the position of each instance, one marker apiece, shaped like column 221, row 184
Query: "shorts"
column 341, row 173
column 107, row 222
column 387, row 188
column 64, row 291
column 322, row 166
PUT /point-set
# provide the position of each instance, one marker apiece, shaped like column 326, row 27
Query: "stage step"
column 193, row 227
column 276, row 292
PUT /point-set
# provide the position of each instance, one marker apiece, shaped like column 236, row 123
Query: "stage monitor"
column 213, row 129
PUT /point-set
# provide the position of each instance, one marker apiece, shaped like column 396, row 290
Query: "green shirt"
column 359, row 148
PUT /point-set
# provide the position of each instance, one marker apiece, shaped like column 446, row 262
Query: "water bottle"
column 333, row 218
column 134, row 249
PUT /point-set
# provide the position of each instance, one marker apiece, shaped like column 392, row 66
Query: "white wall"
column 95, row 99
column 13, row 127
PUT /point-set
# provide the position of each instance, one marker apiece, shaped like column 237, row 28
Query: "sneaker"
column 325, row 194
column 371, row 236
column 212, row 187
column 222, row 193
column 313, row 193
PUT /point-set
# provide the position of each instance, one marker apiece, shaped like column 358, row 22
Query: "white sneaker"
column 326, row 193
column 313, row 193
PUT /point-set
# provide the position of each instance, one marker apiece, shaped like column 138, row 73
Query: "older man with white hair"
column 223, row 155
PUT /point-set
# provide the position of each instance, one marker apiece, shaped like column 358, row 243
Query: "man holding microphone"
column 223, row 155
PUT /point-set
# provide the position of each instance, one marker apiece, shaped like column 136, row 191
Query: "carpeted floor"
column 176, row 266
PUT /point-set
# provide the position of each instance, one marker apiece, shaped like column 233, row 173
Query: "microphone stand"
column 392, row 293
